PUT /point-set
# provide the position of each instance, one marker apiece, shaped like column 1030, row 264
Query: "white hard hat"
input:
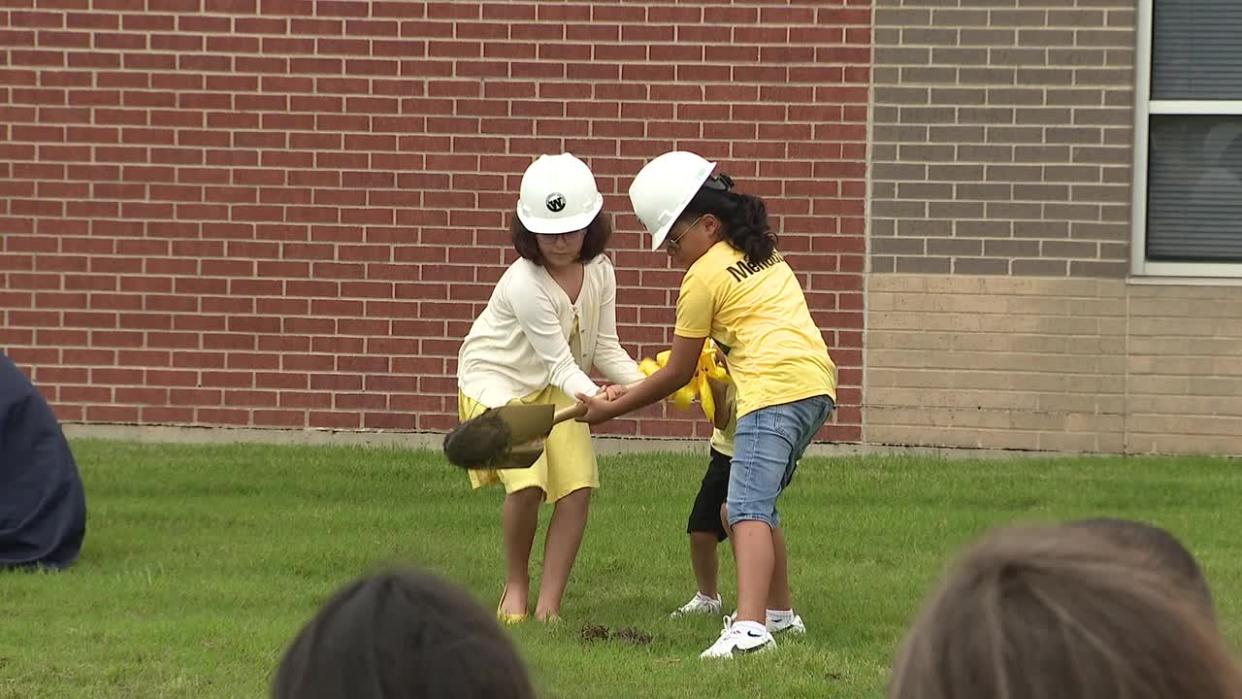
column 558, row 195
column 664, row 187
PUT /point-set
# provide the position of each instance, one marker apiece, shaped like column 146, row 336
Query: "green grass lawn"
column 202, row 562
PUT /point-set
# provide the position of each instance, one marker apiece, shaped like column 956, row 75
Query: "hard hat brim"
column 657, row 237
column 557, row 226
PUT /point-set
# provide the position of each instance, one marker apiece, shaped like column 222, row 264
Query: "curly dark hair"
column 745, row 217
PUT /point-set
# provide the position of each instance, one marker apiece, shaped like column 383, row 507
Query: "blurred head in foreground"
column 401, row 635
column 1060, row 613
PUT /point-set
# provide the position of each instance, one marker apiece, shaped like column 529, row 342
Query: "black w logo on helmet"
column 555, row 202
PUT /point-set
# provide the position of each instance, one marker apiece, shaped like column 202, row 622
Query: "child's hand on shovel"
column 613, row 391
column 599, row 407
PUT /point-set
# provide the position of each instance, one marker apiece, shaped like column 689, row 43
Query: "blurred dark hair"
column 401, row 635
column 594, row 242
column 744, row 217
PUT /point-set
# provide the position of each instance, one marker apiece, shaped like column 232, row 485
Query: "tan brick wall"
column 1077, row 365
column 1002, row 137
column 1185, row 369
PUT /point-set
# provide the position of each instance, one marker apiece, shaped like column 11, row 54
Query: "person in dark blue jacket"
column 42, row 504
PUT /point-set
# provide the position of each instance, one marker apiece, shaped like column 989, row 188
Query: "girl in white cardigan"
column 551, row 318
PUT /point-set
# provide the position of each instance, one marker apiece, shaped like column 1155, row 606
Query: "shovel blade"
column 523, row 455
column 527, row 422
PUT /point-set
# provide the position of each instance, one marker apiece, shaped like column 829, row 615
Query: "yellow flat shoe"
column 510, row 619
column 505, row 617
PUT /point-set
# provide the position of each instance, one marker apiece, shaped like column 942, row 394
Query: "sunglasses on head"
column 719, row 183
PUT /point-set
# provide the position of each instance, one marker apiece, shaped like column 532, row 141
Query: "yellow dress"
column 568, row 461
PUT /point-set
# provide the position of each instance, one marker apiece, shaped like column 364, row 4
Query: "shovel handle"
column 572, row 412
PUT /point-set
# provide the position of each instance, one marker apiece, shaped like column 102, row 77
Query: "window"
column 1188, row 160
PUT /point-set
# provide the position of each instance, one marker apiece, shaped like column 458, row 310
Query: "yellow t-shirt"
column 759, row 317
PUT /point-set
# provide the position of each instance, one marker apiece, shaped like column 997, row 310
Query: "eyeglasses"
column 550, row 238
column 672, row 245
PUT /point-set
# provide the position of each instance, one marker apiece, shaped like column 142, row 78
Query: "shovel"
column 510, row 436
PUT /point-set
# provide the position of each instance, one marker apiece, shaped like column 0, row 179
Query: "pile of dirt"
column 593, row 632
column 632, row 635
column 478, row 443
column 596, row 632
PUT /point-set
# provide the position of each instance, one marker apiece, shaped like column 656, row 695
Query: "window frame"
column 1144, row 108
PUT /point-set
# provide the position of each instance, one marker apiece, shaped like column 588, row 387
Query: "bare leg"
column 779, row 597
column 569, row 520
column 703, row 559
column 753, row 547
column 519, row 521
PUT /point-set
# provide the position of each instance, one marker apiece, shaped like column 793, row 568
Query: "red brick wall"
column 285, row 213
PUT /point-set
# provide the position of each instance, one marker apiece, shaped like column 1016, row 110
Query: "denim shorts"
column 766, row 449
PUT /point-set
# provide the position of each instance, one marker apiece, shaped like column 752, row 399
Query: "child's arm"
column 682, row 361
column 724, row 406
column 722, row 397
column 694, row 319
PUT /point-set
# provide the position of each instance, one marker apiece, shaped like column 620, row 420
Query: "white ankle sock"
column 704, row 598
column 780, row 616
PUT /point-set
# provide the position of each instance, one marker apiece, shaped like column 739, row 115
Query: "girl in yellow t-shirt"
column 739, row 291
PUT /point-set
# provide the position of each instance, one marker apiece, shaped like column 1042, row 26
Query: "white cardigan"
column 521, row 342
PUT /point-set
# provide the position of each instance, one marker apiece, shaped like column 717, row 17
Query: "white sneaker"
column 739, row 639
column 793, row 626
column 699, row 604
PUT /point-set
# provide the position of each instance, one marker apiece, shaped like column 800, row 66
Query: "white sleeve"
column 610, row 357
column 536, row 314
